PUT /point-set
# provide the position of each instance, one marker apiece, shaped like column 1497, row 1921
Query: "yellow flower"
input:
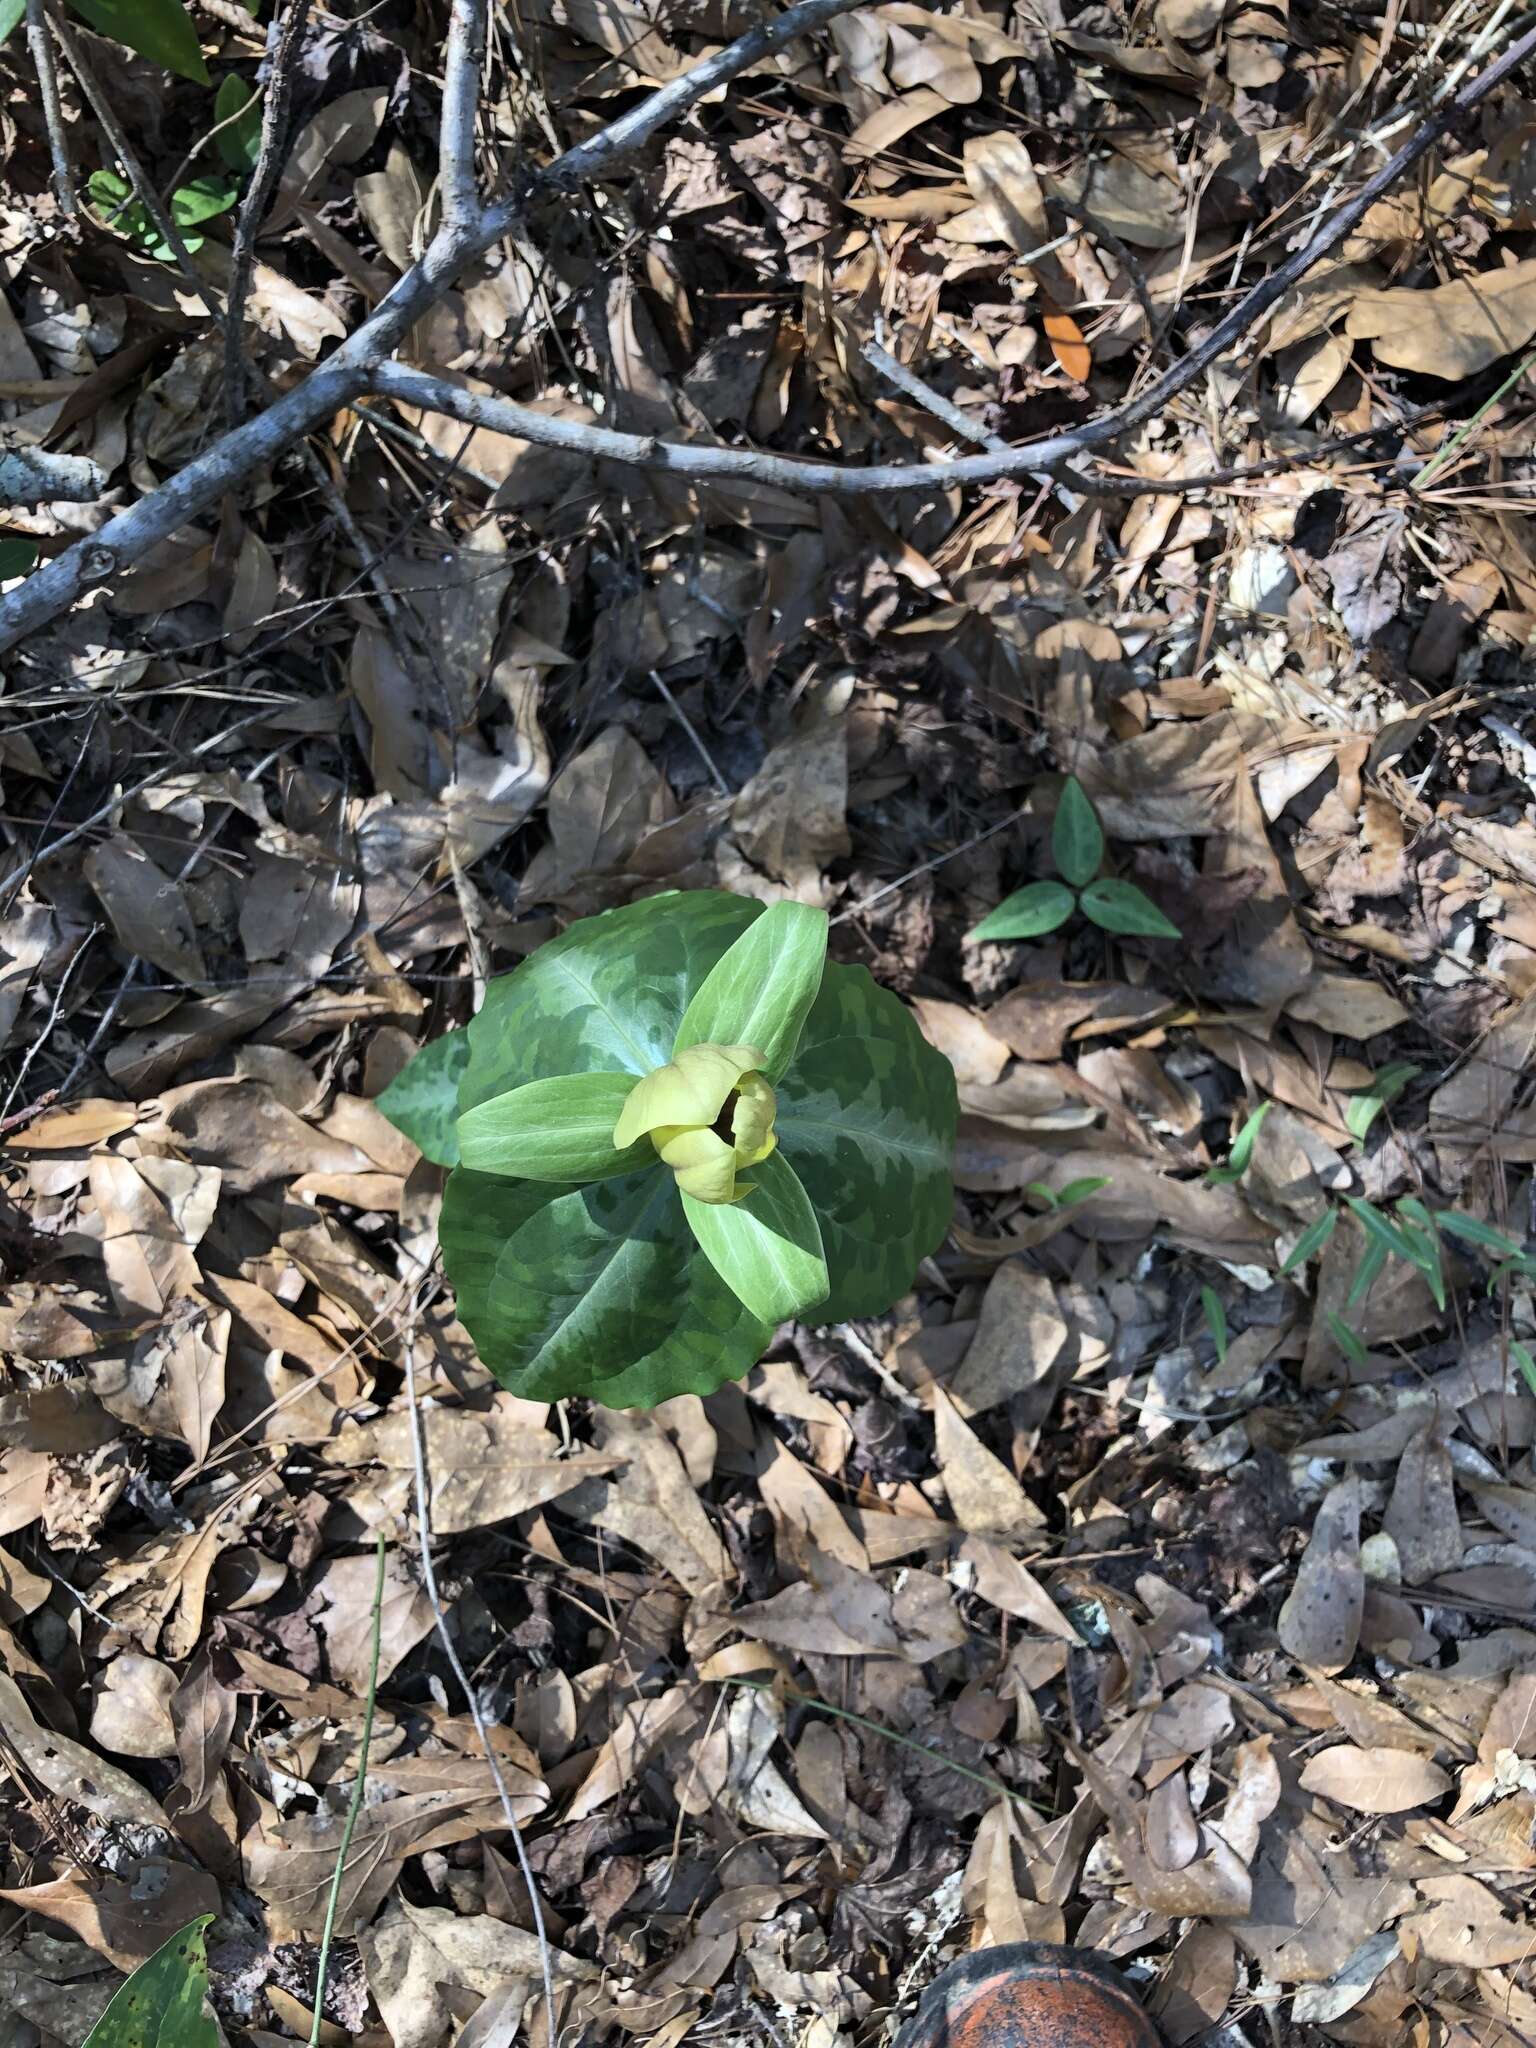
column 709, row 1112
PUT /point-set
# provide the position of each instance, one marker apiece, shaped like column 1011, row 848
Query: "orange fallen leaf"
column 1067, row 345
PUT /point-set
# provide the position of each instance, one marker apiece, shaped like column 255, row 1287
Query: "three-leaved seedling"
column 672, row 1129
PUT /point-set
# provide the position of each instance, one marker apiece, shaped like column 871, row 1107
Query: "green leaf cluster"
column 1077, row 845
column 161, row 30
column 581, row 1267
column 202, row 199
column 161, row 2005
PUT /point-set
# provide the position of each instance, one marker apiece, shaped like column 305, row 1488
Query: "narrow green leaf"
column 1471, row 1230
column 1372, row 1259
column 1077, row 838
column 760, row 991
column 423, row 1098
column 1526, row 1363
column 11, row 12
column 161, row 30
column 16, row 556
column 1039, row 1189
column 1386, row 1233
column 560, row 1129
column 239, row 140
column 1080, row 1190
column 1029, row 913
column 1311, row 1240
column 1361, row 1111
column 1239, row 1158
column 1215, row 1320
column 1122, row 908
column 1347, row 1341
column 161, row 2004
column 766, row 1247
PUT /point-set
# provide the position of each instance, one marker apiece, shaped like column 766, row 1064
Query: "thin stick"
column 722, row 787
column 270, row 158
column 53, row 112
column 354, row 1804
column 440, row 1620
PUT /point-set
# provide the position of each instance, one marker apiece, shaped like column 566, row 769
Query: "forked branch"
column 364, row 363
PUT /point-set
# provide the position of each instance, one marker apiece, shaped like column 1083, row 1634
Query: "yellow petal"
column 704, row 1164
column 691, row 1089
column 752, row 1121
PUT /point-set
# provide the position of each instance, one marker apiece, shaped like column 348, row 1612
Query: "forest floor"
column 1141, row 1580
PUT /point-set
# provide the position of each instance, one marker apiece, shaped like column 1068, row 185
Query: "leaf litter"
column 1058, row 1603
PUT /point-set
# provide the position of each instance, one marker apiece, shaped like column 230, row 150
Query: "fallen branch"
column 362, row 364
column 344, row 376
column 53, row 113
column 31, row 476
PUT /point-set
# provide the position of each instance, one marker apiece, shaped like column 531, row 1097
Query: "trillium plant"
column 671, row 1129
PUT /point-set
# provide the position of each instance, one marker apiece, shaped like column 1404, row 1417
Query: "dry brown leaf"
column 986, row 1498
column 418, row 1957
column 841, row 1613
column 600, row 807
column 652, row 1504
column 1019, row 1337
column 1004, row 1582
column 482, row 1467
column 640, row 1727
column 132, row 1710
column 1320, row 1620
column 1463, row 1923
column 1452, row 330
column 804, row 1509
column 71, row 1771
column 1374, row 1780
column 977, row 1055
column 125, row 1920
column 790, row 821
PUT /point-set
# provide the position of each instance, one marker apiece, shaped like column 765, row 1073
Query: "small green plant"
column 161, row 30
column 202, row 199
column 1238, row 1159
column 1362, row 1110
column 671, row 1129
column 237, row 112
column 161, row 2005
column 1077, row 846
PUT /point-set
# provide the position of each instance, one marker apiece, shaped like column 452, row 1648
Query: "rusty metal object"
column 1029, row 1994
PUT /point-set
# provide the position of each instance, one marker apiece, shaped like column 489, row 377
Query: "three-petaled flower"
column 709, row 1112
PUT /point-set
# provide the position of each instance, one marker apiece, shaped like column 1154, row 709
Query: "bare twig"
column 354, row 1804
column 461, row 98
column 450, row 1651
column 270, row 158
column 53, row 113
column 125, row 539
column 722, row 787
column 361, row 363
column 930, row 400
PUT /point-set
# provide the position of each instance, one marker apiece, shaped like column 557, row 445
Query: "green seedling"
column 1077, row 846
column 1215, row 1321
column 1241, row 1155
column 1362, row 1110
column 1074, row 1191
column 671, row 1129
column 160, row 30
column 202, row 199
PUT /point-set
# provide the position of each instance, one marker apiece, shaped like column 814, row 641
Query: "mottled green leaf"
column 598, row 1290
column 1121, row 907
column 867, row 1115
column 161, row 2004
column 1029, row 913
column 759, row 992
column 606, row 996
column 1077, row 838
column 238, row 109
column 423, row 1098
column 766, row 1247
column 559, row 1130
column 161, row 30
